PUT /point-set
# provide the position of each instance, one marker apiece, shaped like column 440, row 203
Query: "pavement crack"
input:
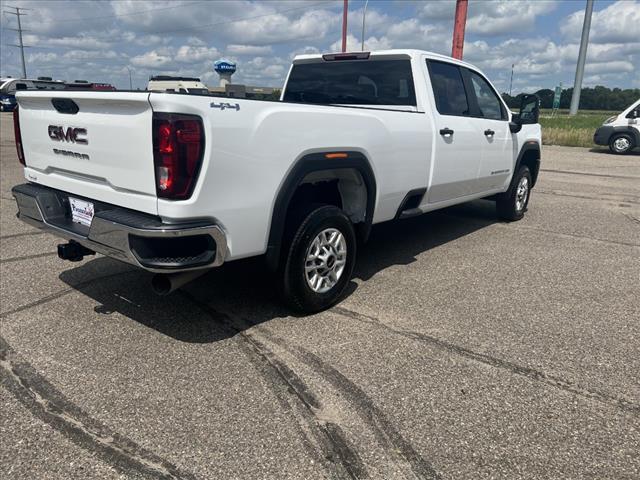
column 27, row 257
column 589, row 174
column 61, row 293
column 613, row 197
column 49, row 405
column 514, row 368
column 23, row 234
column 575, row 235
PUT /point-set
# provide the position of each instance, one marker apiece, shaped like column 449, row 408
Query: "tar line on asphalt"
column 530, row 373
column 46, row 403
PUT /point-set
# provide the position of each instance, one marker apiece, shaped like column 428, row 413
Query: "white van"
column 621, row 132
column 165, row 83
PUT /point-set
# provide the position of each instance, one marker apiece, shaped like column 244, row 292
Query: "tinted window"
column 488, row 101
column 448, row 89
column 363, row 82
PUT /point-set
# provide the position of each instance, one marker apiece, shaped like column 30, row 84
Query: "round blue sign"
column 224, row 66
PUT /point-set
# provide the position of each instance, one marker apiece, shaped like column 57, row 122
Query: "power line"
column 140, row 12
column 224, row 22
column 21, row 46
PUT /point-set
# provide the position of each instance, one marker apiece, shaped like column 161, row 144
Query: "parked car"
column 7, row 102
column 620, row 132
column 9, row 86
column 178, row 184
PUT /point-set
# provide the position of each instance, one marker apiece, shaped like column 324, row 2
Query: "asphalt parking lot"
column 466, row 348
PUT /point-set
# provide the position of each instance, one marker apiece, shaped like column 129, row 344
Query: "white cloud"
column 191, row 54
column 235, row 49
column 503, row 17
column 618, row 23
column 151, row 59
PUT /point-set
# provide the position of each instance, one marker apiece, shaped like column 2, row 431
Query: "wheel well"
column 531, row 158
column 346, row 181
column 344, row 188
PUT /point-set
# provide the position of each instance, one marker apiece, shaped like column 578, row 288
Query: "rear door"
column 92, row 144
column 457, row 147
column 495, row 136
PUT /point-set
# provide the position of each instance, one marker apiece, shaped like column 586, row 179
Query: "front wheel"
column 319, row 260
column 621, row 143
column 513, row 203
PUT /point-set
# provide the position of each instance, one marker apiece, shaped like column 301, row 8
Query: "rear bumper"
column 136, row 238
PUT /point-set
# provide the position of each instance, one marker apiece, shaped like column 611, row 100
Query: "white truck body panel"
column 250, row 150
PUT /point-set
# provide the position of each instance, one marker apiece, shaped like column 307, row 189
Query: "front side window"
column 448, row 89
column 359, row 82
column 488, row 101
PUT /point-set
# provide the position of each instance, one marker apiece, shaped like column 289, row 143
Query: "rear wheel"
column 513, row 203
column 319, row 260
column 621, row 143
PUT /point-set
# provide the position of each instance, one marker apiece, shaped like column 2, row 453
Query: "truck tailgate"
column 103, row 151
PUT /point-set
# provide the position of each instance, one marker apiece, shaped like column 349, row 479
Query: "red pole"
column 345, row 10
column 458, row 29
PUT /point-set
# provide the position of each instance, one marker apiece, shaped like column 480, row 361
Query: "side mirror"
column 528, row 114
column 634, row 114
column 529, row 109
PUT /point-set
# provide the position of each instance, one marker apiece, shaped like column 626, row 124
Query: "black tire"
column 510, row 205
column 295, row 287
column 621, row 143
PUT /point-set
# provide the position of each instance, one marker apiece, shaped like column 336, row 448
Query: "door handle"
column 489, row 133
column 445, row 132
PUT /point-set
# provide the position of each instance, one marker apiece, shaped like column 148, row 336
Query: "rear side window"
column 360, row 82
column 448, row 89
column 488, row 102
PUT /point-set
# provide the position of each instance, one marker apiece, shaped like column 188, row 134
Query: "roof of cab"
column 381, row 53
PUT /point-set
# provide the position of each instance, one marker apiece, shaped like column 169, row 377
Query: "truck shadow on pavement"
column 198, row 313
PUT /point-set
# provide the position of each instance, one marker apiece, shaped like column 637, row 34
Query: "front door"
column 496, row 137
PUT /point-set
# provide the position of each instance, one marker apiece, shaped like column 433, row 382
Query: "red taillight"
column 178, row 146
column 18, row 136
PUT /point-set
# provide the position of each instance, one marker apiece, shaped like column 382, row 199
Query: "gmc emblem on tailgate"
column 70, row 134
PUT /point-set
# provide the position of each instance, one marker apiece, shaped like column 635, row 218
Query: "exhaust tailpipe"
column 165, row 283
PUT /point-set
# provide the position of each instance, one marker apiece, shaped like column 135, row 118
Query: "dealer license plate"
column 81, row 211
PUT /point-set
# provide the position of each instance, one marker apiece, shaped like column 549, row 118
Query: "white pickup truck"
column 177, row 183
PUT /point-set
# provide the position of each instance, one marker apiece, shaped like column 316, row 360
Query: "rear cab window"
column 369, row 82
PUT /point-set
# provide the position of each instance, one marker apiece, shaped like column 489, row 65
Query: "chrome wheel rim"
column 621, row 144
column 522, row 193
column 325, row 260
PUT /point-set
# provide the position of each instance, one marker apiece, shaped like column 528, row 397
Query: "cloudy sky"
column 98, row 40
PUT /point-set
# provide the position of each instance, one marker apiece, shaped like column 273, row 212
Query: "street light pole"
column 511, row 81
column 364, row 15
column 130, row 82
column 582, row 55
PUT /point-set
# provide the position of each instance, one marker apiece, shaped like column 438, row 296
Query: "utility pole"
column 345, row 11
column 18, row 14
column 458, row 29
column 511, row 81
column 364, row 16
column 584, row 43
column 130, row 82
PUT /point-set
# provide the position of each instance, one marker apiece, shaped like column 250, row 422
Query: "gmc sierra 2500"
column 178, row 184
